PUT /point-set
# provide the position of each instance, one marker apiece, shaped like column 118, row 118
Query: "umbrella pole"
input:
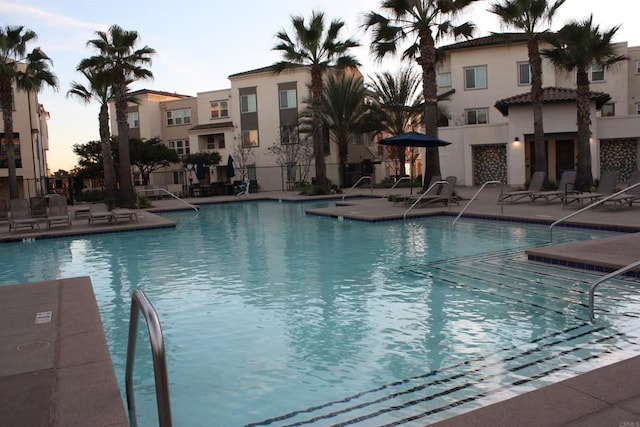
column 411, row 173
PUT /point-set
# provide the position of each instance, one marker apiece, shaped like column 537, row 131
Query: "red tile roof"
column 550, row 95
column 490, row 40
column 220, row 125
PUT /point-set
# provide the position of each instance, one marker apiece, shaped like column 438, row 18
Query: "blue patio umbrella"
column 413, row 139
column 230, row 171
column 200, row 172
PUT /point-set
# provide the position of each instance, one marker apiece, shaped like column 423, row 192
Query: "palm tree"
column 400, row 102
column 100, row 91
column 422, row 23
column 344, row 111
column 29, row 72
column 317, row 47
column 528, row 16
column 575, row 48
column 118, row 58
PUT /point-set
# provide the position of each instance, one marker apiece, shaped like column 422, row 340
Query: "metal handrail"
column 140, row 302
column 592, row 289
column 169, row 193
column 476, row 195
column 425, row 194
column 593, row 205
column 394, row 186
column 356, row 184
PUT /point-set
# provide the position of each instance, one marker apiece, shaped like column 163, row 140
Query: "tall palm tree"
column 344, row 111
column 422, row 23
column 29, row 72
column 124, row 64
column 529, row 16
column 400, row 102
column 100, row 91
column 317, row 47
column 575, row 48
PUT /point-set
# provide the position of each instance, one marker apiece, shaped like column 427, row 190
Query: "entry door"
column 565, row 156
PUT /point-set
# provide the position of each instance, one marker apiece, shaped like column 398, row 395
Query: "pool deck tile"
column 64, row 376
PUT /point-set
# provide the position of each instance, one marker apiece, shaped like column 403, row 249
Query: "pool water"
column 274, row 317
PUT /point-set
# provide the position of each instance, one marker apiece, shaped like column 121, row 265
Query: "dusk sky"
column 200, row 43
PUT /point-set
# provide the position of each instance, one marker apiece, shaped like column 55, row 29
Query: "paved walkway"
column 58, row 373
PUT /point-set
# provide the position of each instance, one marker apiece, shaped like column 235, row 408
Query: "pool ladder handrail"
column 425, row 194
column 362, row 178
column 168, row 193
column 586, row 208
column 394, row 186
column 140, row 303
column 594, row 285
column 476, row 195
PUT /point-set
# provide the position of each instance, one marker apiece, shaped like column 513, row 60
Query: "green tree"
column 207, row 158
column 317, row 47
column 99, row 89
column 529, row 16
column 90, row 163
column 420, row 23
column 344, row 112
column 150, row 155
column 575, row 48
column 30, row 73
column 399, row 102
column 118, row 58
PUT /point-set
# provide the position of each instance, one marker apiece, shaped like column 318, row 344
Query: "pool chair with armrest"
column 632, row 195
column 565, row 186
column 119, row 214
column 99, row 212
column 38, row 207
column 606, row 187
column 535, row 185
column 21, row 215
column 444, row 194
column 432, row 190
column 58, row 212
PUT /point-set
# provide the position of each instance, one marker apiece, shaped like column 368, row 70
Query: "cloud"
column 48, row 18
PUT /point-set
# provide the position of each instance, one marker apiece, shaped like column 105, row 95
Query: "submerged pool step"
column 440, row 394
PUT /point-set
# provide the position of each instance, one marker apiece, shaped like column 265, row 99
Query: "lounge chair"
column 99, row 212
column 21, row 215
column 119, row 214
column 432, row 189
column 38, row 207
column 535, row 186
column 4, row 211
column 630, row 196
column 565, row 186
column 444, row 194
column 606, row 187
column 58, row 212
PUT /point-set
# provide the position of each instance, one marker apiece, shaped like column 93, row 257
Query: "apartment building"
column 31, row 142
column 491, row 120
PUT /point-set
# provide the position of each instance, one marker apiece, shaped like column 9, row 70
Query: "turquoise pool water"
column 274, row 317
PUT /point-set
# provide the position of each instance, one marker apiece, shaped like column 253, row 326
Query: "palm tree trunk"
column 318, row 130
column 427, row 62
column 127, row 198
column 107, row 157
column 584, row 176
column 6, row 99
column 535, row 61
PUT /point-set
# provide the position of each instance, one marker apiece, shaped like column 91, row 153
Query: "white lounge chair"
column 58, row 212
column 21, row 215
column 99, row 212
column 120, row 214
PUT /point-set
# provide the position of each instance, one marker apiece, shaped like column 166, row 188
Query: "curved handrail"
column 476, row 195
column 425, row 194
column 140, row 302
column 592, row 205
column 394, row 186
column 356, row 184
column 592, row 289
column 169, row 193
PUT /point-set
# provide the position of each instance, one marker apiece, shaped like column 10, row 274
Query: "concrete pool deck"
column 58, row 373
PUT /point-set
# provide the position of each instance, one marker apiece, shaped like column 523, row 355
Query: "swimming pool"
column 273, row 317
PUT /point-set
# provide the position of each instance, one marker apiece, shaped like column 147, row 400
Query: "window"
column 597, row 73
column 250, row 138
column 179, row 117
column 477, row 116
column 180, row 145
column 16, row 151
column 637, row 107
column 215, row 142
column 248, row 103
column 475, row 77
column 288, row 99
column 219, row 109
column 608, row 110
column 524, row 73
column 444, row 80
column 133, row 119
column 638, row 67
column 288, row 135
